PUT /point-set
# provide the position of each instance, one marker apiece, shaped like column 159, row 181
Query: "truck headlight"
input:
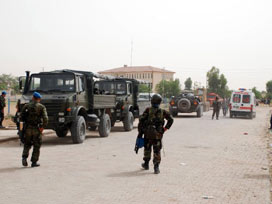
column 61, row 114
column 61, row 120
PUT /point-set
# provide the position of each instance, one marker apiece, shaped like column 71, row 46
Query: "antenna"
column 131, row 51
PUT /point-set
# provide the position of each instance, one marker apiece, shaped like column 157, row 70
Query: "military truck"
column 186, row 102
column 70, row 101
column 128, row 106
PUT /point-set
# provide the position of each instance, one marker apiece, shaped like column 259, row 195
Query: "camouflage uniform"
column 216, row 109
column 2, row 106
column 35, row 116
column 151, row 124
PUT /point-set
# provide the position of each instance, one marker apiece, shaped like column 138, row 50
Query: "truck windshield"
column 52, row 82
column 111, row 88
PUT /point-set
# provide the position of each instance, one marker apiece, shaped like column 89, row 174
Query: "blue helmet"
column 140, row 142
column 37, row 95
column 4, row 93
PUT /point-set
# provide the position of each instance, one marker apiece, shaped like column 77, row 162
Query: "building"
column 149, row 74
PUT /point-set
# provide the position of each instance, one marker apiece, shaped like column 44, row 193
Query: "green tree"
column 269, row 89
column 257, row 93
column 217, row 83
column 144, row 88
column 188, row 83
column 8, row 81
column 169, row 88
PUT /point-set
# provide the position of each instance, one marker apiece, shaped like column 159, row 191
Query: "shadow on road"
column 136, row 173
column 11, row 169
column 120, row 129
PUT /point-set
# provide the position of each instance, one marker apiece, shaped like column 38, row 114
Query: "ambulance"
column 243, row 103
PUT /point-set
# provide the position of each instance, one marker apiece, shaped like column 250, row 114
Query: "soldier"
column 271, row 122
column 225, row 106
column 216, row 108
column 35, row 117
column 151, row 124
column 2, row 106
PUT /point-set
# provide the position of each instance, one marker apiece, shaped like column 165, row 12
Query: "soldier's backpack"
column 33, row 116
column 154, row 124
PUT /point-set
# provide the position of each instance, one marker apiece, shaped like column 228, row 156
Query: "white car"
column 243, row 103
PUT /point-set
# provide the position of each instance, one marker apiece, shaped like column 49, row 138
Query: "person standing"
column 216, row 108
column 271, row 122
column 2, row 107
column 225, row 106
column 35, row 117
column 151, row 125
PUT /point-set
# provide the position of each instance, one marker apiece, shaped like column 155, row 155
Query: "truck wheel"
column 78, row 130
column 128, row 121
column 199, row 112
column 104, row 126
column 173, row 113
column 92, row 128
column 62, row 132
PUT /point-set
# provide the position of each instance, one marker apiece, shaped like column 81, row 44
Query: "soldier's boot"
column 24, row 162
column 35, row 164
column 145, row 165
column 156, row 169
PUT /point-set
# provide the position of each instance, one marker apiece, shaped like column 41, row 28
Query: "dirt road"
column 225, row 160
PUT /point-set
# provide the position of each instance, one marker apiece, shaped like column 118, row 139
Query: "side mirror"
column 22, row 81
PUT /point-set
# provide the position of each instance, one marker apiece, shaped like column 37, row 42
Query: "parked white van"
column 243, row 103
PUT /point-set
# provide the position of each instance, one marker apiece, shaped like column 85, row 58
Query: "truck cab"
column 128, row 107
column 70, row 101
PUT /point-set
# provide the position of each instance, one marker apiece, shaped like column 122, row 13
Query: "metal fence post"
column 9, row 106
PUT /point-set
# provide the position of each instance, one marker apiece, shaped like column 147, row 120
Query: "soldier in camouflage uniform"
column 151, row 125
column 35, row 117
column 2, row 106
column 216, row 108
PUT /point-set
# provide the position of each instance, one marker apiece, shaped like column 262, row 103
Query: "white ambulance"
column 243, row 103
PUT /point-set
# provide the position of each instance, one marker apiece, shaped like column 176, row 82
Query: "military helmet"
column 156, row 99
column 37, row 95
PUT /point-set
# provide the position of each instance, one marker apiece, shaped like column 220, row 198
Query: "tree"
column 217, row 83
column 144, row 88
column 8, row 81
column 257, row 93
column 269, row 89
column 168, row 88
column 188, row 83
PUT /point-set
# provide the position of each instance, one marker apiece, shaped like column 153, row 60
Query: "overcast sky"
column 185, row 36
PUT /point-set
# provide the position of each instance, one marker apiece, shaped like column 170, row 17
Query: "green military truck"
column 70, row 101
column 128, row 106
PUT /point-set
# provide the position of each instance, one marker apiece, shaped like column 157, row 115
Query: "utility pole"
column 131, row 51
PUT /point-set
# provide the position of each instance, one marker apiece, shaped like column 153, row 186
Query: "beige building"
column 149, row 74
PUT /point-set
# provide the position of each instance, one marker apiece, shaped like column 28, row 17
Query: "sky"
column 188, row 37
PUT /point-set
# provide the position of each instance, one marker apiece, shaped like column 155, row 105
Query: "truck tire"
column 250, row 115
column 184, row 105
column 92, row 128
column 62, row 132
column 128, row 121
column 78, row 130
column 199, row 112
column 104, row 127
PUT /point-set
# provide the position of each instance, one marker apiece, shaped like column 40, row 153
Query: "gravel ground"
column 225, row 161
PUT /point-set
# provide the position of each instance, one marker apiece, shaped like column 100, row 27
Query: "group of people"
column 151, row 128
column 217, row 104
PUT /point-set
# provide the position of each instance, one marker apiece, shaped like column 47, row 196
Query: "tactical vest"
column 155, row 122
column 33, row 115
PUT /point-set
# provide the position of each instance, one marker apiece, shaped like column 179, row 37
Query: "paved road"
column 204, row 157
